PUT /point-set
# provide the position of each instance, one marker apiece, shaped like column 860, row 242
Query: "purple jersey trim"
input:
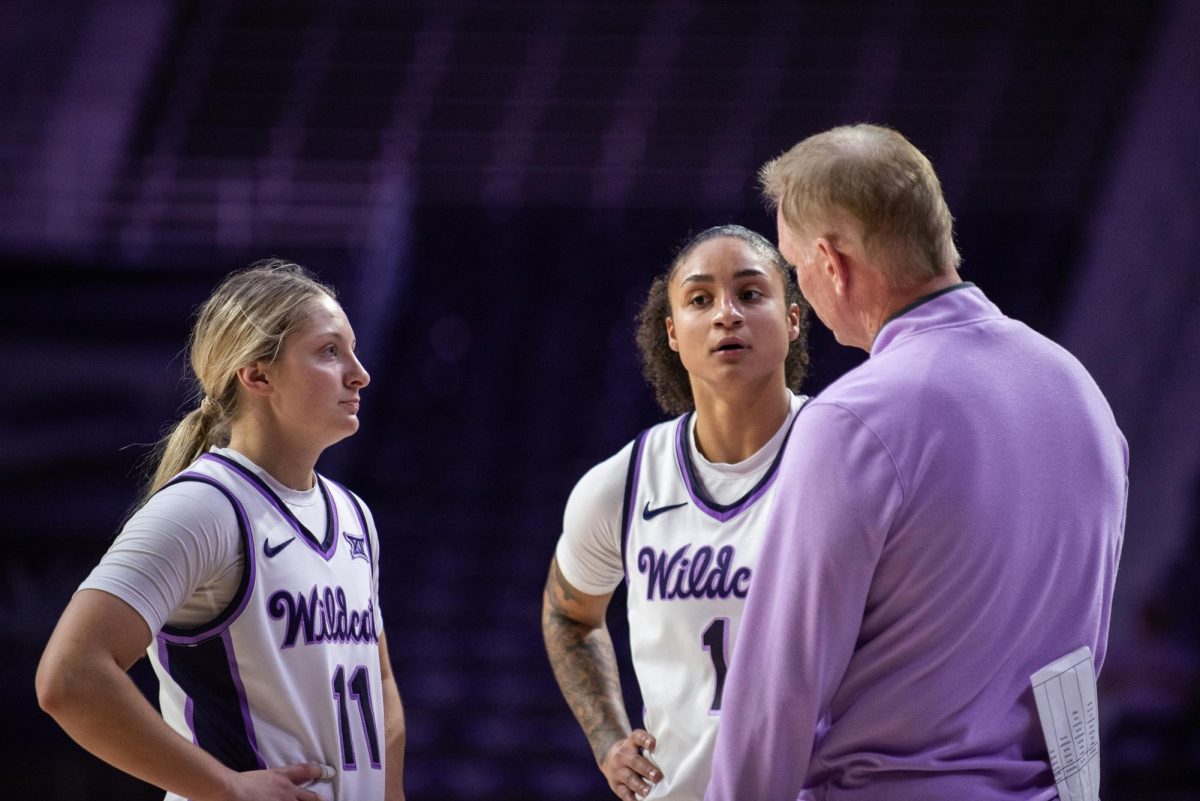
column 362, row 518
column 241, row 596
column 243, row 702
column 327, row 548
column 724, row 512
column 189, row 716
column 628, row 507
column 215, row 710
column 164, row 659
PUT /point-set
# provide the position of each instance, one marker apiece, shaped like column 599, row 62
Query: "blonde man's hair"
column 879, row 178
column 245, row 320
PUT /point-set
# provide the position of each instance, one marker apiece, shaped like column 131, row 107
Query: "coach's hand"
column 280, row 784
column 630, row 774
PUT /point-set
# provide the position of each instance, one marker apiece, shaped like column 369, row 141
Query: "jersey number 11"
column 360, row 691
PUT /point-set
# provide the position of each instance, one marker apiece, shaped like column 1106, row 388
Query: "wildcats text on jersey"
column 679, row 577
column 322, row 617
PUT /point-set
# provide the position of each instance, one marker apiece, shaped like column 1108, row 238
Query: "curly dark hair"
column 662, row 367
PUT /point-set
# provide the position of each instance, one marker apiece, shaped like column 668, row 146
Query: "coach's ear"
column 671, row 340
column 831, row 266
column 253, row 378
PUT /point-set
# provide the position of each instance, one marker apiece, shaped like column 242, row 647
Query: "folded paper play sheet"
column 1065, row 691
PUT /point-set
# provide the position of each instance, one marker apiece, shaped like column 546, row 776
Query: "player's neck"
column 731, row 430
column 290, row 465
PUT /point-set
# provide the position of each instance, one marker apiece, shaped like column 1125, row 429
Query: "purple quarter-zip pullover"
column 949, row 520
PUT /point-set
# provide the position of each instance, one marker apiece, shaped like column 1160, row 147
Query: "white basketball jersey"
column 289, row 671
column 689, row 562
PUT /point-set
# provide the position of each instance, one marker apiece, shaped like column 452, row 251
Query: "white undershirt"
column 178, row 560
column 589, row 550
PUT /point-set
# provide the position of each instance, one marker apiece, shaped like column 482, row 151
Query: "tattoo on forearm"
column 585, row 666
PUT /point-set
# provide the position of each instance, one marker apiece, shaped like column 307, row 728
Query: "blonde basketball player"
column 249, row 580
column 677, row 513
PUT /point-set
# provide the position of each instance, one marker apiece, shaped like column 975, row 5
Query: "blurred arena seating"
column 491, row 185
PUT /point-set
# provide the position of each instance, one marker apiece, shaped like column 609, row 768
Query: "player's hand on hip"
column 630, row 774
column 280, row 784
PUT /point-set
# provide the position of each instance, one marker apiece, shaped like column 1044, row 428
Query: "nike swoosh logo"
column 271, row 551
column 648, row 513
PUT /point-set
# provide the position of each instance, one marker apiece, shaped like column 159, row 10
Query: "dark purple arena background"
column 492, row 186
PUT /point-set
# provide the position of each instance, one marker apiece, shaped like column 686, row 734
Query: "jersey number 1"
column 714, row 642
column 360, row 691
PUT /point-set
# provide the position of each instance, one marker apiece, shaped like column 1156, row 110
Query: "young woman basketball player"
column 678, row 512
column 251, row 581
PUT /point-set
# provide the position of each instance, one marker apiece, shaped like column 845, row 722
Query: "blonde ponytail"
column 198, row 431
column 186, row 441
column 245, row 320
